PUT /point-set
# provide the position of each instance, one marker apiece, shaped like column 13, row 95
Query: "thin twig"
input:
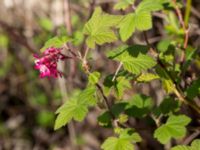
column 86, row 53
column 195, row 12
column 105, row 99
column 185, row 29
column 117, row 71
column 116, row 123
column 86, row 68
column 191, row 137
column 187, row 12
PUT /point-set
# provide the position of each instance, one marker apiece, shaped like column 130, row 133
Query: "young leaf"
column 143, row 21
column 167, row 83
column 194, row 146
column 123, row 142
column 87, row 96
column 130, row 134
column 94, row 78
column 140, row 20
column 127, row 26
column 149, row 5
column 56, row 42
column 76, row 108
column 147, row 77
column 123, row 4
column 183, row 147
column 134, row 58
column 70, row 110
column 121, row 85
column 113, row 143
column 163, row 45
column 98, row 28
column 123, row 118
column 173, row 128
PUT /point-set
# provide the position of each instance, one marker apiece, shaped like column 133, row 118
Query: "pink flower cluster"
column 47, row 62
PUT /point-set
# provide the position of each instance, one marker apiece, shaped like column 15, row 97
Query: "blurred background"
column 28, row 103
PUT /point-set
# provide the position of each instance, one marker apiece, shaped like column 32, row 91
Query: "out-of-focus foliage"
column 129, row 82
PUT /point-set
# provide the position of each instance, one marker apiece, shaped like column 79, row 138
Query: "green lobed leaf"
column 94, row 77
column 134, row 58
column 194, row 146
column 56, row 42
column 127, row 26
column 113, row 143
column 71, row 109
column 167, row 83
column 121, row 85
column 123, row 4
column 149, row 5
column 183, row 147
column 123, row 118
column 87, row 96
column 140, row 20
column 147, row 77
column 163, row 45
column 123, row 142
column 76, row 108
column 173, row 128
column 98, row 28
column 143, row 20
column 130, row 134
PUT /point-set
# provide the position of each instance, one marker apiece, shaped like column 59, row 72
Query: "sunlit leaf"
column 123, row 142
column 134, row 58
column 56, row 42
column 76, row 108
column 173, row 128
column 140, row 20
column 123, row 4
column 147, row 77
column 98, row 28
column 94, row 77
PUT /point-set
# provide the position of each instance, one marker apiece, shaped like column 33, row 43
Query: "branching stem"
column 178, row 91
column 185, row 29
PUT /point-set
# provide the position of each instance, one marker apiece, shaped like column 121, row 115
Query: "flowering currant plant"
column 166, row 63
